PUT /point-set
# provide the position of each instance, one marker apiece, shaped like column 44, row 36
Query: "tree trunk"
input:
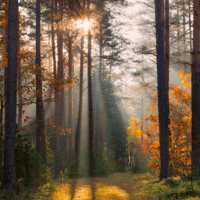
column 167, row 63
column 100, row 124
column 196, row 91
column 190, row 33
column 6, row 54
column 142, row 115
column 63, row 138
column 56, row 94
column 162, row 97
column 3, row 103
column 80, row 109
column 10, row 129
column 54, row 59
column 1, row 140
column 90, row 106
column 178, row 35
column 167, row 50
column 40, row 133
column 19, row 82
column 70, row 97
column 184, row 39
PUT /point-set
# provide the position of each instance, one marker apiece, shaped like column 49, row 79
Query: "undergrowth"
column 124, row 186
column 170, row 188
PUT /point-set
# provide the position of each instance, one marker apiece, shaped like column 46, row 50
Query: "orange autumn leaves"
column 180, row 128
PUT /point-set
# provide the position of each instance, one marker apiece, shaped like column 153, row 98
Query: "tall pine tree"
column 10, row 129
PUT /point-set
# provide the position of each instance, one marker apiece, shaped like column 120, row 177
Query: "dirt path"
column 118, row 186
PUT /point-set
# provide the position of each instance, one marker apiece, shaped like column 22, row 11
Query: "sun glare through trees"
column 85, row 25
column 99, row 99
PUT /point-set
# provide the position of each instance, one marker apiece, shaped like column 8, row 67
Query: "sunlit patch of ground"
column 84, row 189
column 63, row 192
column 111, row 192
column 83, row 193
column 118, row 186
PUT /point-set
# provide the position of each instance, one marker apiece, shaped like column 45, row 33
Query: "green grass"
column 171, row 188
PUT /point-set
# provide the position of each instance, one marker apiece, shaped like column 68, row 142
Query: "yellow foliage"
column 134, row 143
column 180, row 127
column 133, row 130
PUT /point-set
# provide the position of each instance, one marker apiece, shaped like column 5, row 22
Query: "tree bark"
column 167, row 63
column 1, row 140
column 184, row 38
column 162, row 97
column 3, row 103
column 19, row 82
column 6, row 54
column 10, row 129
column 70, row 97
column 178, row 35
column 40, row 133
column 56, row 96
column 62, row 127
column 54, row 59
column 142, row 115
column 100, row 134
column 190, row 33
column 196, row 91
column 90, row 106
column 80, row 109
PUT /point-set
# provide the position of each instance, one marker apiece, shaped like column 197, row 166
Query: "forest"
column 99, row 99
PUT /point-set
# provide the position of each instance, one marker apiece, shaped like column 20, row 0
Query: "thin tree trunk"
column 10, row 129
column 3, row 103
column 90, row 106
column 49, row 110
column 19, row 82
column 178, row 35
column 70, row 97
column 40, row 133
column 190, row 32
column 162, row 97
column 196, row 91
column 1, row 140
column 101, row 133
column 166, row 42
column 167, row 63
column 54, row 57
column 63, row 139
column 56, row 94
column 80, row 110
column 142, row 124
column 184, row 38
column 6, row 66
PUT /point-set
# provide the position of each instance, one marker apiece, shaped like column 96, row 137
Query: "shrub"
column 29, row 168
column 7, row 195
column 101, row 163
column 71, row 171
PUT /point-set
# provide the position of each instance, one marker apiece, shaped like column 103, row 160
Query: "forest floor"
column 118, row 186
